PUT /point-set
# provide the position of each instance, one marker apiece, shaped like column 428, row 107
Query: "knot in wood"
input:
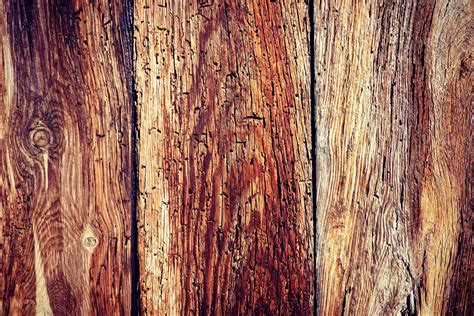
column 90, row 242
column 41, row 137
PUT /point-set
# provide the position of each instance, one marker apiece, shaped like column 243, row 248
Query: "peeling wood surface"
column 394, row 157
column 225, row 206
column 65, row 126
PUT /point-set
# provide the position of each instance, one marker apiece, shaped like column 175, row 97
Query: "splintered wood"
column 225, row 205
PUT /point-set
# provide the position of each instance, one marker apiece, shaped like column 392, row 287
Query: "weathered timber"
column 224, row 157
column 394, row 157
column 65, row 157
column 225, row 188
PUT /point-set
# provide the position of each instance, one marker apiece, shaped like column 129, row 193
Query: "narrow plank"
column 225, row 205
column 65, row 126
column 394, row 158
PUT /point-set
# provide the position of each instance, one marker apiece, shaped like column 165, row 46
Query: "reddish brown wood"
column 222, row 181
column 65, row 152
column 225, row 210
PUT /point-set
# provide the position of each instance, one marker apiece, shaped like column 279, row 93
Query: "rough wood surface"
column 394, row 157
column 65, row 157
column 225, row 205
column 216, row 199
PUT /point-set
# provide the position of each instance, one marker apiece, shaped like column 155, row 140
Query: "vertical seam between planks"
column 313, row 144
column 134, row 258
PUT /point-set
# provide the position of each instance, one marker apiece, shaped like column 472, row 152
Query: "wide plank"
column 225, row 217
column 65, row 157
column 394, row 157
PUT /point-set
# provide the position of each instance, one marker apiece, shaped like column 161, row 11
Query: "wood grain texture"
column 394, row 157
column 225, row 205
column 222, row 181
column 65, row 157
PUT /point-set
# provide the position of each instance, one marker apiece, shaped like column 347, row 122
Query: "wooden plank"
column 394, row 158
column 65, row 126
column 225, row 205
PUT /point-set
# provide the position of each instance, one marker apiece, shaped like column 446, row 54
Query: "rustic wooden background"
column 219, row 157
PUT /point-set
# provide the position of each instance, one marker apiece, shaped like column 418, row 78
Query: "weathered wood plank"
column 394, row 157
column 65, row 151
column 225, row 206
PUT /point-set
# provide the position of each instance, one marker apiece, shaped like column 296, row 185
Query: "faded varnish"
column 65, row 153
column 225, row 191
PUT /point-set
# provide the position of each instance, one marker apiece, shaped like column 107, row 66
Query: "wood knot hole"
column 90, row 242
column 41, row 137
